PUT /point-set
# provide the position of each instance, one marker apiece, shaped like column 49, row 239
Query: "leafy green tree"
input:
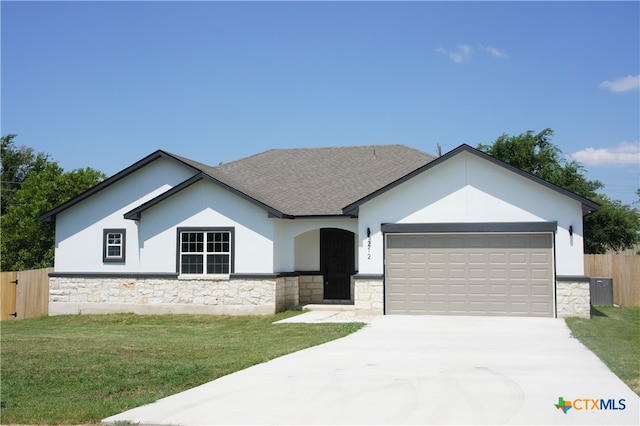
column 17, row 163
column 534, row 153
column 26, row 242
column 614, row 227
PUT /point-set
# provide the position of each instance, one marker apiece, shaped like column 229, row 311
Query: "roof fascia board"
column 322, row 216
column 50, row 216
column 136, row 213
column 588, row 206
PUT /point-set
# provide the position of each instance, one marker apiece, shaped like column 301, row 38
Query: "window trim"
column 230, row 229
column 105, row 236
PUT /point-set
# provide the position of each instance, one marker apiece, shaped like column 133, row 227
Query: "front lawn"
column 613, row 334
column 81, row 369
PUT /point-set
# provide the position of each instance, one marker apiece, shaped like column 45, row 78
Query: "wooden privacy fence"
column 625, row 271
column 24, row 294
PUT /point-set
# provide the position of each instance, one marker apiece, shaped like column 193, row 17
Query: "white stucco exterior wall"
column 286, row 231
column 307, row 251
column 79, row 229
column 206, row 205
column 469, row 189
column 151, row 243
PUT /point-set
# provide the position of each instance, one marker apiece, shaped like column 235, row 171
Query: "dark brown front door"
column 337, row 260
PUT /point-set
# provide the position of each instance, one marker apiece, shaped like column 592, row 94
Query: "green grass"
column 613, row 334
column 81, row 369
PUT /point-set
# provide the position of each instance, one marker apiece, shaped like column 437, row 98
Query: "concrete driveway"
column 416, row 370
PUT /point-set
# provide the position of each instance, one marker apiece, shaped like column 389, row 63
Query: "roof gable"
column 305, row 182
column 286, row 182
column 588, row 206
column 50, row 216
column 136, row 213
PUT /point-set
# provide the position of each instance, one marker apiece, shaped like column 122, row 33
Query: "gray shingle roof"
column 317, row 181
column 308, row 181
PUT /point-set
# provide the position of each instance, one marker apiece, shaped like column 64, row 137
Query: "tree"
column 26, row 242
column 614, row 227
column 17, row 163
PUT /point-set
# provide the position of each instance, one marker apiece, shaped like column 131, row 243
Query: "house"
column 387, row 229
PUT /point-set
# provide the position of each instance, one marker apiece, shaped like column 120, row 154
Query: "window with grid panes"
column 113, row 245
column 205, row 252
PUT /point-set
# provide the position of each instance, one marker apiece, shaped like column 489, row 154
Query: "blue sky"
column 103, row 84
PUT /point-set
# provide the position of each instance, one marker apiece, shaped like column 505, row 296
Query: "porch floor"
column 333, row 305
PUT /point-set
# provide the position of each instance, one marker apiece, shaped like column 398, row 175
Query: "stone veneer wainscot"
column 369, row 291
column 573, row 297
column 75, row 294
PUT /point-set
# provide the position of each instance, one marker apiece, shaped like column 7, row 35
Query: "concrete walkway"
column 415, row 370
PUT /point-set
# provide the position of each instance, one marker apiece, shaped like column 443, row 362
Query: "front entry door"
column 337, row 260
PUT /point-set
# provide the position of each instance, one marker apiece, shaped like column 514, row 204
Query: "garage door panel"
column 540, row 274
column 540, row 307
column 477, row 273
column 540, row 290
column 498, row 274
column 540, row 241
column 518, row 274
column 457, row 289
column 519, row 290
column 477, row 290
column 496, row 290
column 457, row 273
column 494, row 274
column 539, row 258
column 477, row 258
column 457, row 258
column 518, row 241
column 497, row 241
column 435, row 290
column 456, row 241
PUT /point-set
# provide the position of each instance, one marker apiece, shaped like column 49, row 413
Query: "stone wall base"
column 573, row 297
column 75, row 308
column 93, row 295
column 311, row 289
column 369, row 296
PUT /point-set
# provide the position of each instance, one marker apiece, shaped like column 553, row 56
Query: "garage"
column 480, row 273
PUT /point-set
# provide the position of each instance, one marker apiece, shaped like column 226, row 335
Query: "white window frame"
column 208, row 249
column 107, row 243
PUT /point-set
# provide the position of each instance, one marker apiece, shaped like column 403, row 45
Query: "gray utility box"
column 601, row 291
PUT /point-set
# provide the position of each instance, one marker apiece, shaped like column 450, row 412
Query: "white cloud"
column 622, row 84
column 494, row 51
column 624, row 153
column 457, row 56
column 464, row 51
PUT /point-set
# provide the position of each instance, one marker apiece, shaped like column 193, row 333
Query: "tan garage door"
column 469, row 274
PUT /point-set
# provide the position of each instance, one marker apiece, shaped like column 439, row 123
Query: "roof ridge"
column 317, row 148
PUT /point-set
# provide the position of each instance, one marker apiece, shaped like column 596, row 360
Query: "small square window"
column 114, row 245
